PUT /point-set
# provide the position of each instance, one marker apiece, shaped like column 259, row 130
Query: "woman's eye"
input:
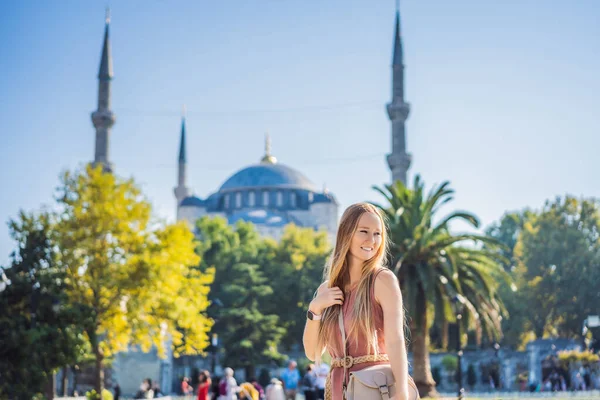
column 363, row 231
column 377, row 234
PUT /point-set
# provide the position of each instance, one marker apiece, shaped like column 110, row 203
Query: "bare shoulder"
column 386, row 286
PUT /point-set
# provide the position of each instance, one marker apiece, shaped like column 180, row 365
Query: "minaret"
column 182, row 191
column 103, row 118
column 398, row 110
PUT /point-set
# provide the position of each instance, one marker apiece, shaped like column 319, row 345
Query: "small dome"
column 326, row 197
column 267, row 175
column 261, row 217
column 191, row 201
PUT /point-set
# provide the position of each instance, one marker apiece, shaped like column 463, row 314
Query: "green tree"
column 248, row 335
column 294, row 267
column 554, row 262
column 134, row 274
column 40, row 330
column 558, row 256
column 435, row 266
column 517, row 295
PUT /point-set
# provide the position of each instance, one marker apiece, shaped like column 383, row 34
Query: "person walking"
column 117, row 392
column 322, row 373
column 204, row 383
column 308, row 384
column 366, row 293
column 228, row 387
column 275, row 390
column 290, row 378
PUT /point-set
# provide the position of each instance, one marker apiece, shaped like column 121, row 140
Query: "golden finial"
column 268, row 158
column 107, row 18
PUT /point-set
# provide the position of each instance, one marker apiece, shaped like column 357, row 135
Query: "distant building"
column 269, row 194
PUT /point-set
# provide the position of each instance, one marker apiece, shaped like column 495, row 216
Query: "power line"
column 165, row 112
column 228, row 167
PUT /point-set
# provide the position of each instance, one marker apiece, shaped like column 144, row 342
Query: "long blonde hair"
column 337, row 271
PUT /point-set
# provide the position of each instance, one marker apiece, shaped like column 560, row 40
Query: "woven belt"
column 350, row 361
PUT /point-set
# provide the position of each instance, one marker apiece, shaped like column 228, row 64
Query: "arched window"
column 279, row 198
column 251, row 199
column 265, row 198
column 293, row 199
column 238, row 200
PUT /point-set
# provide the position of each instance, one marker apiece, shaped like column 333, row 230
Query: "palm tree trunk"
column 420, row 348
column 445, row 334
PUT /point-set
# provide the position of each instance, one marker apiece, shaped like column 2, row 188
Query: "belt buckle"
column 383, row 389
column 347, row 361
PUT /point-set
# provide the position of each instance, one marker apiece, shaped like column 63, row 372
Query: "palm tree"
column 435, row 267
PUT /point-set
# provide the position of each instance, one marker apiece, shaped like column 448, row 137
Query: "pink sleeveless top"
column 357, row 346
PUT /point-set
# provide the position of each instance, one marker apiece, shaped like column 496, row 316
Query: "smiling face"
column 367, row 237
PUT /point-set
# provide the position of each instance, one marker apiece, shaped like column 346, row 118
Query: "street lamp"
column 215, row 344
column 458, row 302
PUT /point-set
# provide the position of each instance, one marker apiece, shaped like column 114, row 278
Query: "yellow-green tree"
column 134, row 273
column 294, row 267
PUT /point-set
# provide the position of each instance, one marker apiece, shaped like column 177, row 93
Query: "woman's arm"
column 387, row 293
column 326, row 297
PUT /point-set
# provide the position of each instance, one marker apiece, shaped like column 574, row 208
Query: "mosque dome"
column 192, row 201
column 268, row 173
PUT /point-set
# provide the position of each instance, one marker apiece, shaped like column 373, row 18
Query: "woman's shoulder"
column 385, row 275
column 386, row 284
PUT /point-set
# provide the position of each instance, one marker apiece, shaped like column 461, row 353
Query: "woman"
column 275, row 390
column 309, row 383
column 368, row 294
column 228, row 387
column 204, row 383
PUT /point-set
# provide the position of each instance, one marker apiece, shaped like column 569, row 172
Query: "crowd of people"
column 286, row 387
column 148, row 390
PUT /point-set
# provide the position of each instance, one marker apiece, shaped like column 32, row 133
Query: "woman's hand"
column 326, row 297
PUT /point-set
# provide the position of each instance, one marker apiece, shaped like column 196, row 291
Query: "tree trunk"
column 99, row 370
column 50, row 387
column 64, row 382
column 250, row 372
column 445, row 335
column 420, row 348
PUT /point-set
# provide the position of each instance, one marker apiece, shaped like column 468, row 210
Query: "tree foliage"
column 41, row 332
column 247, row 335
column 556, row 265
column 261, row 288
column 435, row 266
column 294, row 267
column 135, row 276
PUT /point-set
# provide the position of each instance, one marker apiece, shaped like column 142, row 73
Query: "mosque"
column 269, row 194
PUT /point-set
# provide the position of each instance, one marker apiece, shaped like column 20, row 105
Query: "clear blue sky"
column 504, row 95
